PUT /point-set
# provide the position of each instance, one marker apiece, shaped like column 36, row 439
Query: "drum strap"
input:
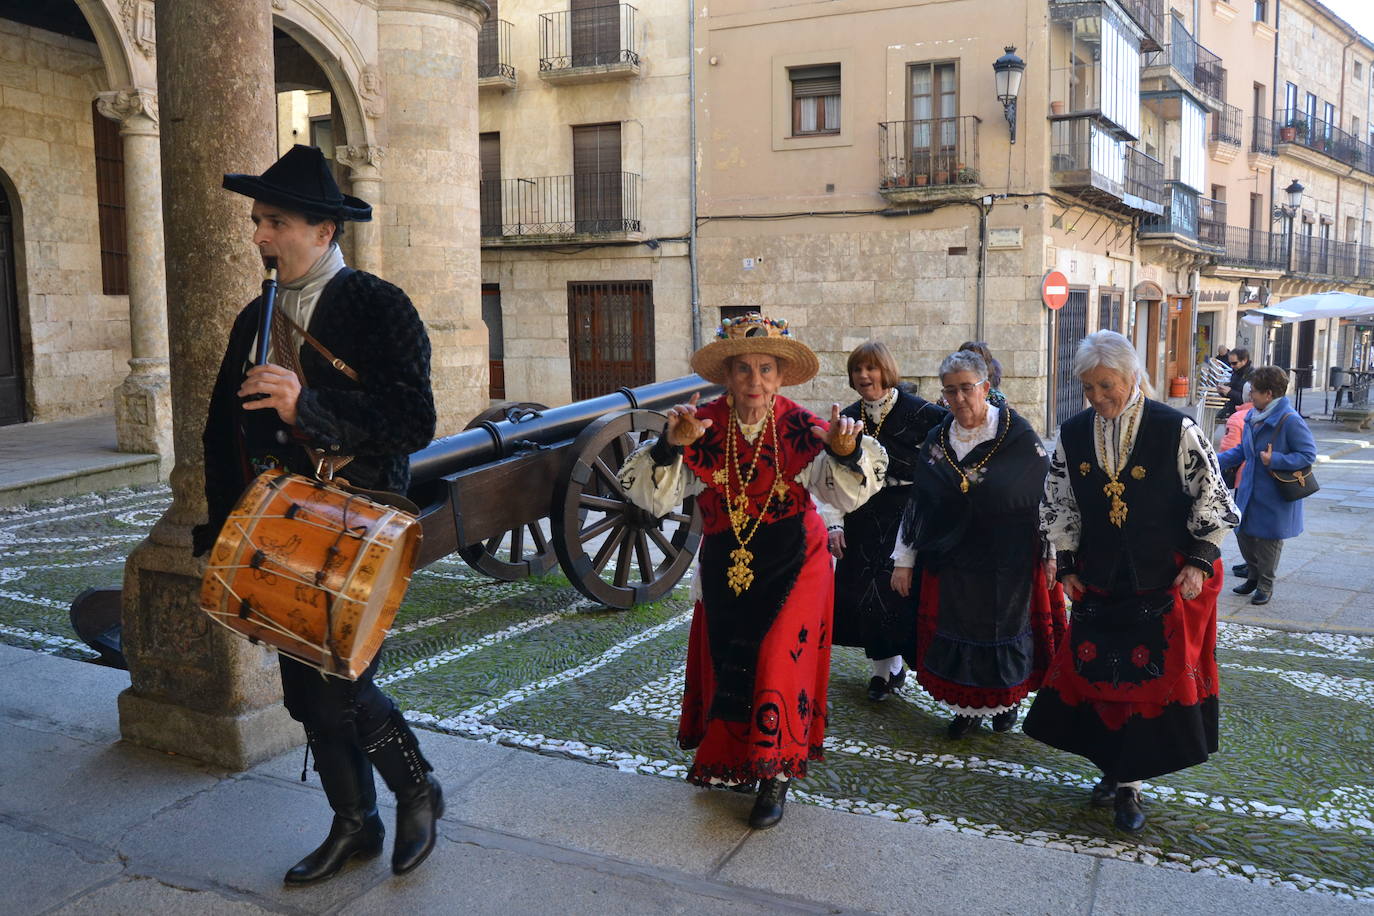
column 326, row 465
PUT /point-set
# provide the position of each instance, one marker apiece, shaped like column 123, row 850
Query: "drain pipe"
column 692, row 142
column 980, row 314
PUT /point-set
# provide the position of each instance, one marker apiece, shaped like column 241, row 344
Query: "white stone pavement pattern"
column 92, row 825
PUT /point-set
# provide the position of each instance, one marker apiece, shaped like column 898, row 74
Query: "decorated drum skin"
column 312, row 570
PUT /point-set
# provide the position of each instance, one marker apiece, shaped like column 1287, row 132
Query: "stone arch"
column 112, row 39
column 16, row 396
column 326, row 40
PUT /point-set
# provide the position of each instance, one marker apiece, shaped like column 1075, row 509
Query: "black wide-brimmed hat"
column 301, row 181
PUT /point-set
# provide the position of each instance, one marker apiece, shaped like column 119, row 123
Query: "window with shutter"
column 815, row 100
column 489, row 150
column 597, row 180
column 109, row 191
column 594, row 32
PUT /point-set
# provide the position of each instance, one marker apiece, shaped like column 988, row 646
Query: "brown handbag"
column 1296, row 484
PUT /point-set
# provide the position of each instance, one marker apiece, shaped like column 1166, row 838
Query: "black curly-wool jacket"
column 380, row 419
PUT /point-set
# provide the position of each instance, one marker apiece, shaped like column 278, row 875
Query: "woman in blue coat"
column 1275, row 438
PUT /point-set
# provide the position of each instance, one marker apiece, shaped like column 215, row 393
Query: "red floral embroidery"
column 1087, row 651
column 1140, row 656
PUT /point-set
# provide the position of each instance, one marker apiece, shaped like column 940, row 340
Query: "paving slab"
column 145, row 895
column 1128, row 889
column 79, row 699
column 465, row 875
column 884, row 867
column 660, row 822
column 11, row 655
column 56, row 782
column 37, row 870
column 241, row 836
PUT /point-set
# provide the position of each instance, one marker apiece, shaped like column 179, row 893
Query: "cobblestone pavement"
column 1289, row 801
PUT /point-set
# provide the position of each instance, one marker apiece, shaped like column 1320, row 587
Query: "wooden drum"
column 312, row 570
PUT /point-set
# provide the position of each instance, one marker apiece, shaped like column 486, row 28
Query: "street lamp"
column 1288, row 212
column 1008, row 70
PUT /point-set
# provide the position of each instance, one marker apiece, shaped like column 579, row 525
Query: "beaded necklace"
column 881, row 419
column 949, row 451
column 1114, row 487
column 739, row 576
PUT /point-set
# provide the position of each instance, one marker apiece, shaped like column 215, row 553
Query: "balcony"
column 1087, row 160
column 1294, row 128
column 1247, row 252
column 589, row 44
column 494, row 68
column 1263, row 150
column 1226, row 133
column 557, row 209
column 1188, row 221
column 1325, row 257
column 1149, row 15
column 929, row 160
column 1188, row 64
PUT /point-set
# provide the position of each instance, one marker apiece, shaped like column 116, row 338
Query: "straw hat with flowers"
column 755, row 334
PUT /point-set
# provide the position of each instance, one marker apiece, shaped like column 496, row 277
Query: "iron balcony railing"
column 1262, row 136
column 1366, row 270
column 1294, row 126
column 590, row 203
column 1325, row 257
column 1180, row 216
column 493, row 50
column 1254, row 249
column 1227, row 126
column 1144, row 176
column 593, row 36
column 1149, row 15
column 1211, row 222
column 1193, row 62
column 931, row 152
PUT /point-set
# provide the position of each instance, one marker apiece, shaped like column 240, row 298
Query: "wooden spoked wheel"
column 613, row 551
column 520, row 552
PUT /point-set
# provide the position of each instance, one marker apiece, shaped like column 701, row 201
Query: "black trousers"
column 332, row 707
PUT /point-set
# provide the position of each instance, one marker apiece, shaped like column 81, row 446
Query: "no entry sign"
column 1054, row 290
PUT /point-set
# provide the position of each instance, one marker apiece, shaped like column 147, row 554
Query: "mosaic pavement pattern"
column 1289, row 801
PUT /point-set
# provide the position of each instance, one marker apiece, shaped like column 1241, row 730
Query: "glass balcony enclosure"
column 1096, row 66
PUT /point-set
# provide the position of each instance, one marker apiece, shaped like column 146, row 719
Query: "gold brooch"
column 720, row 477
column 1084, row 468
column 1138, row 472
column 779, row 488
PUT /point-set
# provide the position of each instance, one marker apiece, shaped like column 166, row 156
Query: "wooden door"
column 11, row 367
column 1177, row 340
column 610, row 336
column 594, row 27
column 1154, row 318
column 496, row 341
column 597, row 194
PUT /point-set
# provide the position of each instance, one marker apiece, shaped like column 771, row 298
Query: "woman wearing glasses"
column 987, row 618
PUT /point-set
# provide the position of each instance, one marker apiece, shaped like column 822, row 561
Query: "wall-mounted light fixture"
column 1008, row 70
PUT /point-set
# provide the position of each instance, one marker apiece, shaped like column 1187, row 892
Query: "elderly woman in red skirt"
column 1136, row 507
column 758, row 663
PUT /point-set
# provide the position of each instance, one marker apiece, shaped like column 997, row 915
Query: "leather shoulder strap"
column 333, row 284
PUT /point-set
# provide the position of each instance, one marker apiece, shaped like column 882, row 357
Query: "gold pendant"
column 738, row 519
column 963, row 484
column 739, row 576
column 1084, row 468
column 721, row 477
column 1117, row 514
column 1138, row 472
column 1114, row 489
column 779, row 488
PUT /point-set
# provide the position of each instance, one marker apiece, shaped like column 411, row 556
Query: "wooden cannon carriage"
column 487, row 493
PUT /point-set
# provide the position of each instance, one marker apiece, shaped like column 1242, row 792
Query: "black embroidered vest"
column 1139, row 555
column 904, row 430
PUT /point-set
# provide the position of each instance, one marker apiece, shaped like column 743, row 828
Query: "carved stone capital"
column 124, row 105
column 364, row 161
column 138, row 25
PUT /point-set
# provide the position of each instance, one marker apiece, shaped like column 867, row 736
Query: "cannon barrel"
column 493, row 441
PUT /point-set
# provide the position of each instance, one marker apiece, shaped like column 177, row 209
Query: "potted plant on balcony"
column 922, row 180
column 967, row 175
column 941, row 176
column 1289, row 132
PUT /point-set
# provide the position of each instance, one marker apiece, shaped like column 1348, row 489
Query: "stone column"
column 197, row 689
column 431, row 234
column 143, row 403
column 365, row 180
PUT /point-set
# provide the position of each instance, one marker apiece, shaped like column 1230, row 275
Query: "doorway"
column 1070, row 326
column 12, row 407
column 610, row 336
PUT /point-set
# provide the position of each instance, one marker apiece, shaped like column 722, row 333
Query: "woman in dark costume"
column 868, row 613
column 758, row 658
column 1136, row 507
column 987, row 620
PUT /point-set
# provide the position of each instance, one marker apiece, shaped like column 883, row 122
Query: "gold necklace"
column 739, row 576
column 949, row 450
column 881, row 420
column 1114, row 487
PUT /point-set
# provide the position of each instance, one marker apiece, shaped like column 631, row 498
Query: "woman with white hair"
column 1136, row 508
column 986, row 620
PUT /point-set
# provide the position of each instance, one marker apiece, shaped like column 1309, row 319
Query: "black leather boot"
column 357, row 829
column 769, row 803
column 1129, row 817
column 1104, row 793
column 395, row 752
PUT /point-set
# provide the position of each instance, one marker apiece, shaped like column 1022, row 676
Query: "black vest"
column 1139, row 555
column 908, row 422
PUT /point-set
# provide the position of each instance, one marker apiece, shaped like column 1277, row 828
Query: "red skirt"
column 1162, row 719
column 1047, row 624
column 787, row 728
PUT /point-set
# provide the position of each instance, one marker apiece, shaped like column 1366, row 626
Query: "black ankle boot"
column 357, row 829
column 960, row 726
column 769, row 803
column 1104, row 793
column 1005, row 721
column 1129, row 817
column 395, row 752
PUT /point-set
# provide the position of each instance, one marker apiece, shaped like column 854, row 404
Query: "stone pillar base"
column 143, row 413
column 234, row 742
